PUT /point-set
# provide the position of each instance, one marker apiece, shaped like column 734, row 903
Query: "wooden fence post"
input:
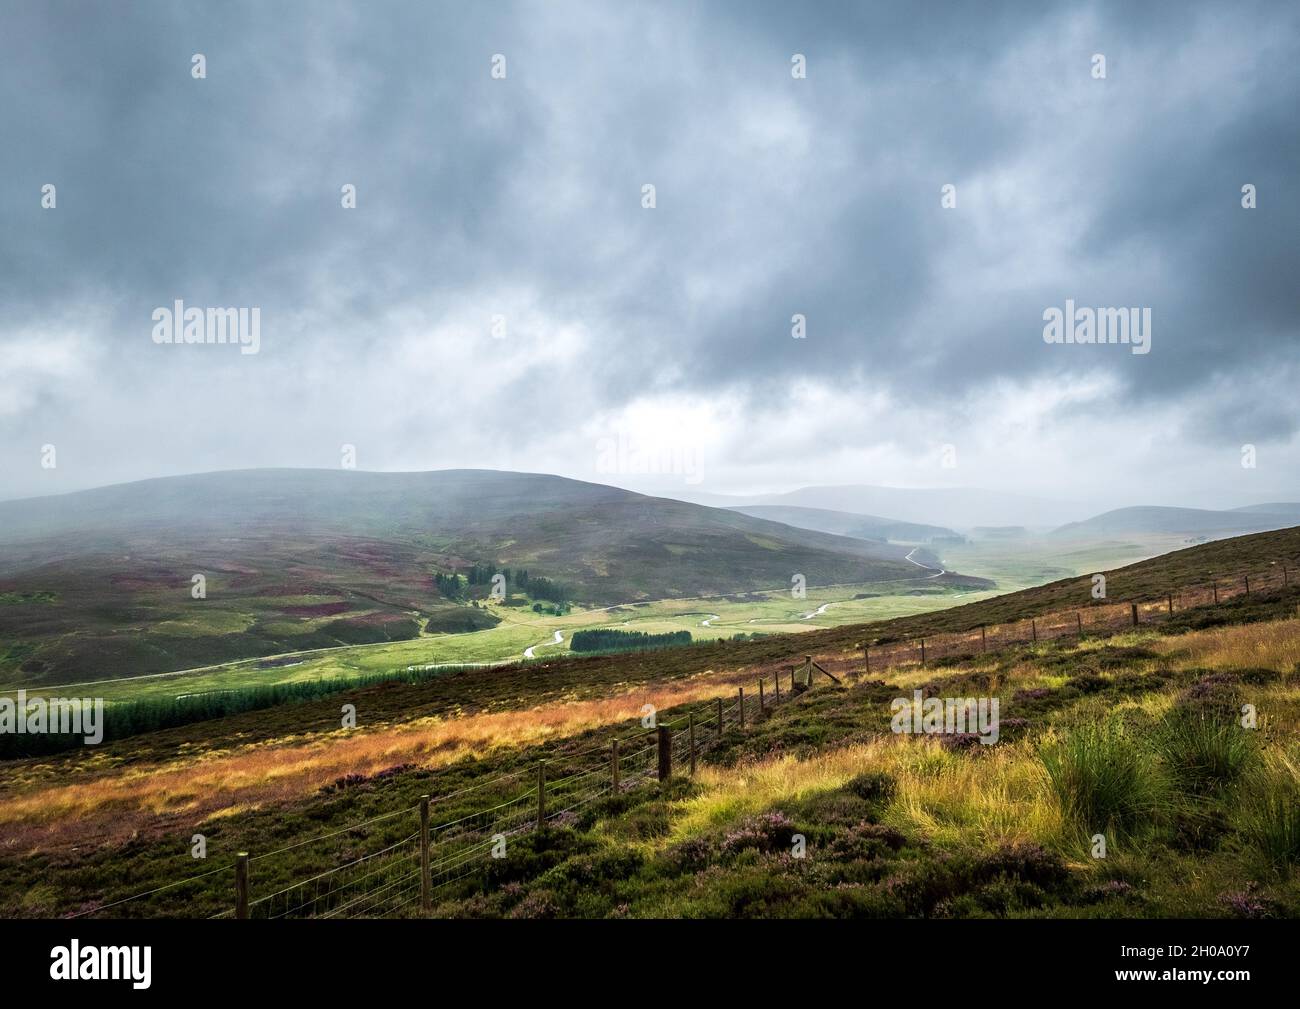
column 426, row 881
column 613, row 765
column 692, row 731
column 923, row 651
column 241, row 885
column 1215, row 587
column 1171, row 604
column 719, row 717
column 665, row 753
column 1078, row 622
column 1033, row 630
column 792, row 676
column 1285, row 582
column 1134, row 608
column 762, row 702
column 1247, row 584
column 541, row 793
column 776, row 682
column 740, row 705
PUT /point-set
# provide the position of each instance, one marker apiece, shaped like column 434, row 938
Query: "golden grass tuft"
column 1000, row 796
column 1273, row 644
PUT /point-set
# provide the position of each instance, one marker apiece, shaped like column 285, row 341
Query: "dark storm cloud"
column 775, row 197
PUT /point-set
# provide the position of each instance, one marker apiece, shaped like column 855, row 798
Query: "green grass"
column 625, row 857
column 1205, row 752
column 1105, row 779
column 517, row 628
column 1271, row 812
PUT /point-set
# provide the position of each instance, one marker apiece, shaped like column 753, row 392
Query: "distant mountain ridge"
column 1274, row 508
column 1209, row 523
column 868, row 527
column 953, row 508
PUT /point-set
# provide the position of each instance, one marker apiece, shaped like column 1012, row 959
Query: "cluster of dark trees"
column 448, row 586
column 455, row 585
column 626, row 641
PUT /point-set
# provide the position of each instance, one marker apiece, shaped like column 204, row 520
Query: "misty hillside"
column 1181, row 521
column 98, row 583
column 867, row 527
column 1290, row 508
column 610, row 544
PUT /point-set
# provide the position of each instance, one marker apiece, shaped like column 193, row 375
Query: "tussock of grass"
column 998, row 797
column 1271, row 814
column 728, row 794
column 1104, row 779
column 1203, row 752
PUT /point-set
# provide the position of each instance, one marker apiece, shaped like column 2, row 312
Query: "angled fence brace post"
column 426, row 882
column 241, row 885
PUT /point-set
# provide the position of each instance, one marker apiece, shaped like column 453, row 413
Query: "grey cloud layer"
column 775, row 196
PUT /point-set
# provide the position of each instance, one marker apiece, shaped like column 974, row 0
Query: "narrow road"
column 819, row 611
column 558, row 639
column 927, row 567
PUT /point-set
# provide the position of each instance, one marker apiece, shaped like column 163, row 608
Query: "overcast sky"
column 640, row 337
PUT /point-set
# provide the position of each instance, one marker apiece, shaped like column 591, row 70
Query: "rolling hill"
column 1290, row 508
column 867, row 527
column 957, row 508
column 98, row 583
column 1197, row 522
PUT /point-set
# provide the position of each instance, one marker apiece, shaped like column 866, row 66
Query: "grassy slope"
column 1148, row 579
column 908, row 826
column 895, row 826
column 824, row 720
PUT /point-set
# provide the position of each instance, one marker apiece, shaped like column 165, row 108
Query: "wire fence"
column 405, row 860
column 1098, row 617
